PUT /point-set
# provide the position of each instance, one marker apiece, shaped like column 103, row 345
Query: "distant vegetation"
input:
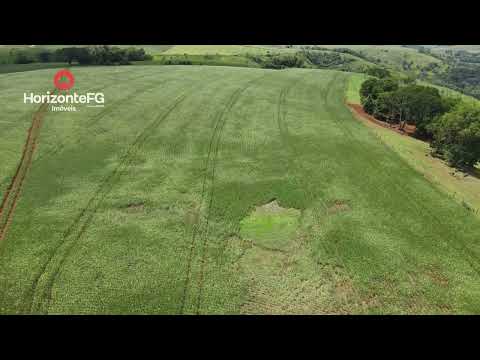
column 462, row 72
column 85, row 55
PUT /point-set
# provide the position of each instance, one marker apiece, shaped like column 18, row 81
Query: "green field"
column 464, row 188
column 218, row 190
column 9, row 68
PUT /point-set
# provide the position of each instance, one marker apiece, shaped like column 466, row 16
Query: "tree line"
column 88, row 55
column 451, row 125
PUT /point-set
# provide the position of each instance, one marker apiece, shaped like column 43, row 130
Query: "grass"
column 271, row 229
column 9, row 68
column 184, row 155
column 353, row 87
column 465, row 189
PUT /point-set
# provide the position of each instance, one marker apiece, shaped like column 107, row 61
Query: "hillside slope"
column 226, row 190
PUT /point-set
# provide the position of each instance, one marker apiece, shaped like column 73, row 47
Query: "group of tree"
column 462, row 77
column 278, row 61
column 378, row 72
column 461, row 70
column 326, row 59
column 452, row 126
column 103, row 55
column 456, row 135
column 87, row 55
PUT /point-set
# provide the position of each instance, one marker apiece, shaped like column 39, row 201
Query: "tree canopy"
column 457, row 135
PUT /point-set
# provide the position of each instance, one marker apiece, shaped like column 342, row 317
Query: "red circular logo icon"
column 64, row 80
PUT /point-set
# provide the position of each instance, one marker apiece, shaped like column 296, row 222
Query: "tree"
column 371, row 90
column 69, row 54
column 413, row 104
column 381, row 73
column 45, row 56
column 456, row 135
column 421, row 104
column 22, row 57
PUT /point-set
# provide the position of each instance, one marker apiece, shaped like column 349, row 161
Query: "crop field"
column 463, row 187
column 220, row 190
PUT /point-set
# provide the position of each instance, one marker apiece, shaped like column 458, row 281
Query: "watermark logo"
column 64, row 80
column 65, row 100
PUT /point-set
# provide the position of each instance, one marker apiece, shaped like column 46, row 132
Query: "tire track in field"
column 294, row 164
column 295, row 167
column 414, row 205
column 284, row 137
column 12, row 194
column 49, row 287
column 75, row 230
column 106, row 111
column 220, row 120
column 206, row 231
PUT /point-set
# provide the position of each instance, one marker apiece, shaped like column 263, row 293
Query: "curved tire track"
column 95, row 118
column 11, row 196
column 87, row 214
column 213, row 148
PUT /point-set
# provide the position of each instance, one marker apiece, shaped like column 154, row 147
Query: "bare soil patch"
column 338, row 206
column 135, row 207
column 359, row 112
column 12, row 195
column 272, row 207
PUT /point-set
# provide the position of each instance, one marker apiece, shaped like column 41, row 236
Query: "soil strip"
column 11, row 196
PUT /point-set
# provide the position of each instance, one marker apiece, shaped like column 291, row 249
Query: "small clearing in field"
column 271, row 225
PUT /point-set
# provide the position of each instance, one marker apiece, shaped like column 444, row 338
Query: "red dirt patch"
column 10, row 199
column 437, row 277
column 338, row 206
column 357, row 109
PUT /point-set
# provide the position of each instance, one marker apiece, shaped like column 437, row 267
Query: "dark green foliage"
column 414, row 104
column 378, row 72
column 325, row 59
column 358, row 54
column 177, row 61
column 23, row 57
column 137, row 54
column 453, row 127
column 464, row 78
column 457, row 135
column 283, row 61
column 463, row 72
column 371, row 90
column 96, row 55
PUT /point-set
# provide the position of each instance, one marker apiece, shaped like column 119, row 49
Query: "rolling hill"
column 213, row 190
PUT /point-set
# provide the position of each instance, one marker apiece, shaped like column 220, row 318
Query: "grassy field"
column 9, row 68
column 353, row 88
column 223, row 190
column 462, row 187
